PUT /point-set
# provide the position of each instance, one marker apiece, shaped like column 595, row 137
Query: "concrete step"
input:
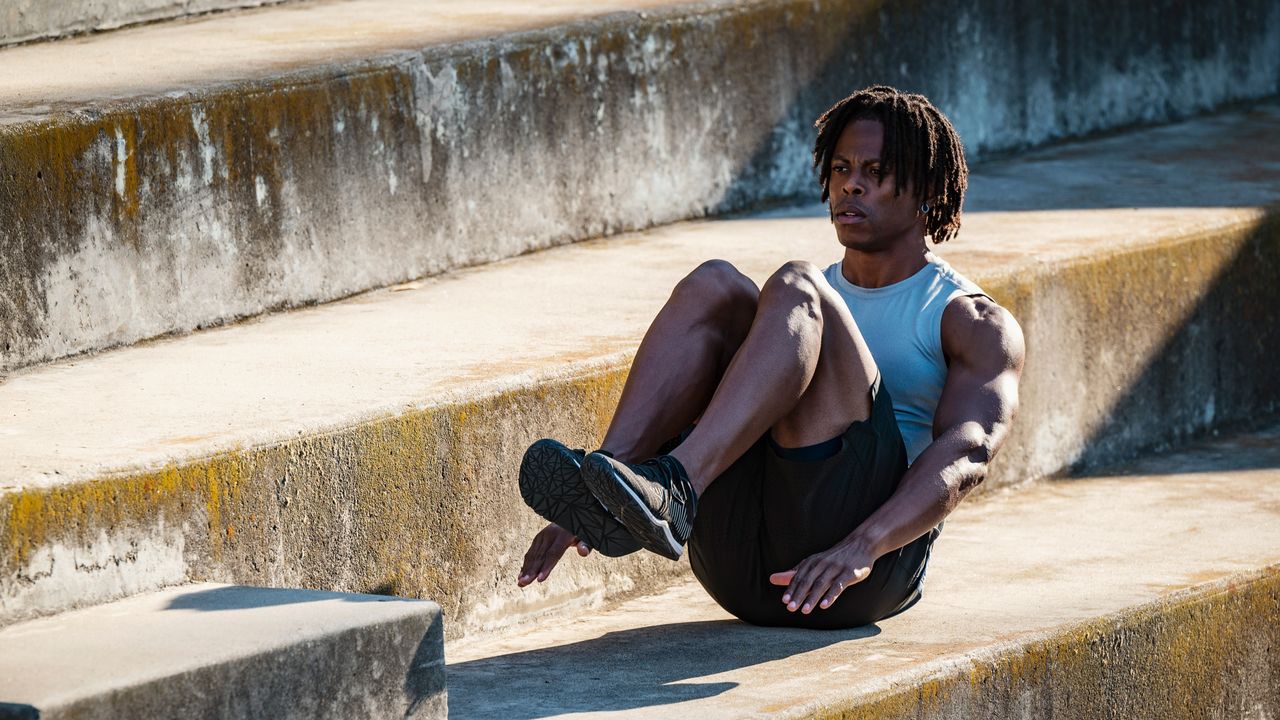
column 372, row 444
column 222, row 651
column 34, row 20
column 174, row 176
column 1147, row 592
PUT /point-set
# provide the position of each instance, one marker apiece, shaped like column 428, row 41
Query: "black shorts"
column 766, row 513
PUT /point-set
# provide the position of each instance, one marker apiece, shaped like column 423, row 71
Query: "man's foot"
column 551, row 483
column 654, row 499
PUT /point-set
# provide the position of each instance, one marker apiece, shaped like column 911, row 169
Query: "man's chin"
column 860, row 242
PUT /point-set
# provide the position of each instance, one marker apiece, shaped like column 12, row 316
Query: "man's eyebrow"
column 838, row 157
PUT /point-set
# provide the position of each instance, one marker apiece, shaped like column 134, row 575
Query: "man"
column 806, row 438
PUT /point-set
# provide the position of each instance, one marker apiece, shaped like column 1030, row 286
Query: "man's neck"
column 879, row 269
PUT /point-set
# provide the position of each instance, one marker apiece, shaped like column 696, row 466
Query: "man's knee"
column 796, row 283
column 718, row 284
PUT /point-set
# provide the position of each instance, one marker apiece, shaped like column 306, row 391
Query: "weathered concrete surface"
column 221, row 651
column 28, row 20
column 1152, row 592
column 372, row 444
column 170, row 177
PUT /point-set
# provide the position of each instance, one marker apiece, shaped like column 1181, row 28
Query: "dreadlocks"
column 921, row 150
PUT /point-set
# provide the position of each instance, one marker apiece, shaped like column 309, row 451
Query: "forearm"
column 931, row 488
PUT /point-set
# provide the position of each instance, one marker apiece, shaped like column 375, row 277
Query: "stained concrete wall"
column 419, row 504
column 1142, row 349
column 30, row 20
column 1205, row 653
column 164, row 213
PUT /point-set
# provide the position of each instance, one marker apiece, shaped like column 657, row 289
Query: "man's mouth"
column 849, row 215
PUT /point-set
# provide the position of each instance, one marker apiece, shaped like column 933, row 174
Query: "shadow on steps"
column 567, row 679
column 242, row 598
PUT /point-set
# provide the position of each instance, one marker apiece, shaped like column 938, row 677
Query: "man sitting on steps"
column 815, row 432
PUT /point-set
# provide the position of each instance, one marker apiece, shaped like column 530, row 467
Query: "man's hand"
column 820, row 578
column 545, row 551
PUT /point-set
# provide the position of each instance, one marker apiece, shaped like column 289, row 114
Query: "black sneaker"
column 551, row 483
column 654, row 499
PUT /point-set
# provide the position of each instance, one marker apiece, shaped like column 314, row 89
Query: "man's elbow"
column 979, row 448
column 977, row 443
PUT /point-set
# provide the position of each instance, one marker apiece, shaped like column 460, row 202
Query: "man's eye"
column 875, row 172
column 840, row 169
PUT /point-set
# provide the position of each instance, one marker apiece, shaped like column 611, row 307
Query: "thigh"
column 839, row 392
column 724, row 549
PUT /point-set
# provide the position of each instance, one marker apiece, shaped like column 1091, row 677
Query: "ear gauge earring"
column 924, row 208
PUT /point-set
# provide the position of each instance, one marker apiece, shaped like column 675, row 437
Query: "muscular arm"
column 984, row 349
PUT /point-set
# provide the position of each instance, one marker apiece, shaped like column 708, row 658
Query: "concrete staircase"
column 312, row 151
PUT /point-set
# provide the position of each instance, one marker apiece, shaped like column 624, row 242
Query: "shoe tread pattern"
column 551, row 484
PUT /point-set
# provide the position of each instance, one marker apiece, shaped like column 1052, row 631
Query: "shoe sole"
column 619, row 498
column 551, row 483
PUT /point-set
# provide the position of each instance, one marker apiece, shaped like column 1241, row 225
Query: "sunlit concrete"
column 224, row 651
column 1149, row 591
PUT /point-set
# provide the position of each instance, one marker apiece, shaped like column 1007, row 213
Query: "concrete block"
column 372, row 445
column 221, row 651
column 1146, row 591
column 305, row 153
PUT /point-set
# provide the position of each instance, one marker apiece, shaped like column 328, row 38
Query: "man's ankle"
column 681, row 484
column 693, row 480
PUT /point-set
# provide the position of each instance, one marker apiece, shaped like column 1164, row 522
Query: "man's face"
column 867, row 215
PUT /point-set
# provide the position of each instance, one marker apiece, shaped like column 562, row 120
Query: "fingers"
column 782, row 578
column 798, row 589
column 817, row 584
column 835, row 586
column 532, row 562
column 545, row 551
column 543, row 554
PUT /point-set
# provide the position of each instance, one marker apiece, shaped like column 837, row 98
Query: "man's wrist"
column 863, row 541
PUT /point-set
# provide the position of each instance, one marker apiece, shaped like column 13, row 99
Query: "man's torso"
column 902, row 325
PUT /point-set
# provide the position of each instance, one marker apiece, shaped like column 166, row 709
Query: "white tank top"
column 902, row 324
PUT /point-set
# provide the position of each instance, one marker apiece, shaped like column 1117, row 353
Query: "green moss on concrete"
column 295, row 199
column 1139, row 347
column 166, row 189
column 421, row 504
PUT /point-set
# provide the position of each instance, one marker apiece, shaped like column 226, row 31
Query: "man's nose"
column 852, row 187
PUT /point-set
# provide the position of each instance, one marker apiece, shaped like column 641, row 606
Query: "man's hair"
column 921, row 150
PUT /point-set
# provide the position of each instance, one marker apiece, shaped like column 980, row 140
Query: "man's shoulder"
column 976, row 308
column 945, row 273
column 977, row 328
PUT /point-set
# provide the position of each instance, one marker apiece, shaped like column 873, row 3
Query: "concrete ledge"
column 28, row 20
column 371, row 445
column 1206, row 652
column 217, row 651
column 304, row 153
column 1150, row 591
